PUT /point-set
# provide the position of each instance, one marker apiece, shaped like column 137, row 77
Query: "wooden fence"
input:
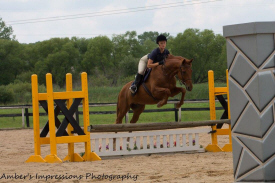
column 25, row 114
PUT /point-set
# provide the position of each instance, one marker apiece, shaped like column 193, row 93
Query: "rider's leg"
column 133, row 88
column 141, row 68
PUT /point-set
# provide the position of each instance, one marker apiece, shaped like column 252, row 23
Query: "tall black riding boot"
column 134, row 87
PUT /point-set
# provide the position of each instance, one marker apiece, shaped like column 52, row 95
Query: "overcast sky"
column 37, row 20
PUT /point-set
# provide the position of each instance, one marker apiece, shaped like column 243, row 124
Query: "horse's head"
column 185, row 74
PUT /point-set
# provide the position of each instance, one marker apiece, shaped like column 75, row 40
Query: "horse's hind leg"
column 137, row 110
column 121, row 112
column 122, row 108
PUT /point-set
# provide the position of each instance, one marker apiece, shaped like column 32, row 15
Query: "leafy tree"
column 128, row 66
column 6, row 95
column 58, row 57
column 114, row 59
column 81, row 44
column 24, row 76
column 148, row 46
column 98, row 55
column 41, row 69
column 6, row 31
column 125, row 45
column 62, row 62
column 31, row 54
column 205, row 47
column 220, row 69
column 151, row 36
column 11, row 63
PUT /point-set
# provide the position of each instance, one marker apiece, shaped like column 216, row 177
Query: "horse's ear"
column 184, row 60
column 191, row 60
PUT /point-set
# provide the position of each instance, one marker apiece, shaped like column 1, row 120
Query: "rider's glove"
column 161, row 62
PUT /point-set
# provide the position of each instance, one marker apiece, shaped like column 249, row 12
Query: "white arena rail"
column 147, row 142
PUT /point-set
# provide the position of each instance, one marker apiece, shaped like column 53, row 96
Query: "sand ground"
column 17, row 145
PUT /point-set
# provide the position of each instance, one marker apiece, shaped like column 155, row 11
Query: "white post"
column 23, row 118
column 127, row 117
column 179, row 115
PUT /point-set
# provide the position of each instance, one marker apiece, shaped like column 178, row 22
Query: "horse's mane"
column 172, row 62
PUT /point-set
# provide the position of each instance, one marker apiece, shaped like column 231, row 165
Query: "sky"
column 39, row 20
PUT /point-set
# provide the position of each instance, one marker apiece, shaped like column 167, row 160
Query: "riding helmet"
column 161, row 38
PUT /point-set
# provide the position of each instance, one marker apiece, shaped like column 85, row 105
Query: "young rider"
column 154, row 59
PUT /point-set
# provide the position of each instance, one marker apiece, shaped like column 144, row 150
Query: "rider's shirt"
column 156, row 56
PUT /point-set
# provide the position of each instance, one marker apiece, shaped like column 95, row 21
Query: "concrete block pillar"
column 251, row 64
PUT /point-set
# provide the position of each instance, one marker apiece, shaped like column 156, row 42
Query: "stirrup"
column 133, row 91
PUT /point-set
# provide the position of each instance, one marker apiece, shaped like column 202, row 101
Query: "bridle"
column 181, row 72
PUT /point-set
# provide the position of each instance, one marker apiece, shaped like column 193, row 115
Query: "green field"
column 109, row 95
column 16, row 122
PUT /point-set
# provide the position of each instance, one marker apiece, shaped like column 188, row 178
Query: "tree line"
column 104, row 58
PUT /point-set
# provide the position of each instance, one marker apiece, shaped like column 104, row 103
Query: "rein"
column 181, row 72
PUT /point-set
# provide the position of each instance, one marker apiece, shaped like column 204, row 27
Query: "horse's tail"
column 117, row 105
column 121, row 108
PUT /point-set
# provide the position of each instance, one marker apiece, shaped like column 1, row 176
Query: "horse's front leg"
column 161, row 93
column 176, row 91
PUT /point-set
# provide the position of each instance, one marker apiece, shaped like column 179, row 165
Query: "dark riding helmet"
column 161, row 38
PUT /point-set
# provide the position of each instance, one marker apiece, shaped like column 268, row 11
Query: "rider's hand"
column 161, row 62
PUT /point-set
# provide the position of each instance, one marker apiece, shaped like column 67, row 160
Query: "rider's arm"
column 150, row 64
column 170, row 56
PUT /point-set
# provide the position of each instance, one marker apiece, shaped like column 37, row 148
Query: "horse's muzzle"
column 189, row 88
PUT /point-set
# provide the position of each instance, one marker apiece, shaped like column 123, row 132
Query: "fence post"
column 27, row 117
column 23, row 118
column 176, row 113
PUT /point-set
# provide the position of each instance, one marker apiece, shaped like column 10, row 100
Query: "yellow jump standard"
column 56, row 132
column 213, row 92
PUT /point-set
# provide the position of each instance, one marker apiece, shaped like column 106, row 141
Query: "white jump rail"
column 160, row 141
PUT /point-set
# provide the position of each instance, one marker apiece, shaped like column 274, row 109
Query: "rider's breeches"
column 142, row 65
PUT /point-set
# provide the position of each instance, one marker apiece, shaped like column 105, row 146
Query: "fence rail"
column 25, row 114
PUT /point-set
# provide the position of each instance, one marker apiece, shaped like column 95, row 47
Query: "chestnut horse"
column 161, row 85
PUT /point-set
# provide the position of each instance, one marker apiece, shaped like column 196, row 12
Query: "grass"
column 110, row 94
column 16, row 122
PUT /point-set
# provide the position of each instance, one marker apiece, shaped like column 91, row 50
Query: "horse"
column 160, row 85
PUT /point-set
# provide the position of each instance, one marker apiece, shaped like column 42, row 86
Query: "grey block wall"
column 251, row 64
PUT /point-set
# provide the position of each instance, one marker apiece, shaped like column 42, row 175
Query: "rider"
column 154, row 59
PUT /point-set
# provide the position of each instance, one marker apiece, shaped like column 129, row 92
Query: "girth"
column 148, row 91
